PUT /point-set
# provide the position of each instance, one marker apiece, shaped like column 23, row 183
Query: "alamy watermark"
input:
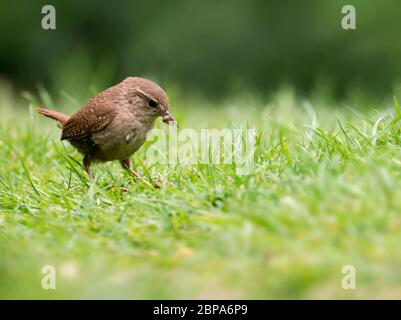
column 349, row 20
column 188, row 146
column 348, row 282
column 49, row 277
column 49, row 18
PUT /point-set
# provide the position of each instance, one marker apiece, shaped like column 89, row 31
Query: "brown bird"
column 114, row 124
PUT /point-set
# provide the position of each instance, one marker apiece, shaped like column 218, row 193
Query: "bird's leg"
column 87, row 161
column 127, row 164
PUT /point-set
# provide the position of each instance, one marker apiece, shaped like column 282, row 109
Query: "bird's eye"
column 152, row 103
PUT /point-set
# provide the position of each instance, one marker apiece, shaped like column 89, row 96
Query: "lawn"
column 325, row 192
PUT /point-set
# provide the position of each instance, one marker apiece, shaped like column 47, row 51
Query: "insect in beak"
column 168, row 118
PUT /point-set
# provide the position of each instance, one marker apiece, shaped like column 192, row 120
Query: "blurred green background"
column 208, row 47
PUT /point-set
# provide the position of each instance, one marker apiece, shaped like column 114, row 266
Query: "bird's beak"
column 168, row 118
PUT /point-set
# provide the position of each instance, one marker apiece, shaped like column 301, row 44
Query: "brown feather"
column 58, row 116
column 95, row 116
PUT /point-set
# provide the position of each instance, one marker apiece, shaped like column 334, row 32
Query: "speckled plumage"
column 115, row 123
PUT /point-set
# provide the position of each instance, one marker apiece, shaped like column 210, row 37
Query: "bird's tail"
column 58, row 116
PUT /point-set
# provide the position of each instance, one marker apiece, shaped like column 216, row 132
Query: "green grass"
column 326, row 192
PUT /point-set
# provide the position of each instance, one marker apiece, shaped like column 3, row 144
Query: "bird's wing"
column 94, row 117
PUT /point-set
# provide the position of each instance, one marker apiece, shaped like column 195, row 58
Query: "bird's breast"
column 121, row 139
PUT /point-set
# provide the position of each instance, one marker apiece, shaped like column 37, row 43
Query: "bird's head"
column 150, row 98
